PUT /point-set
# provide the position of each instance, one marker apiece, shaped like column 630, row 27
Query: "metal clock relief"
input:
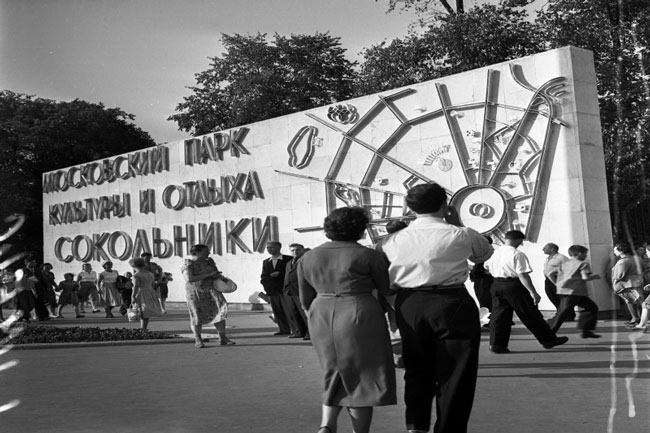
column 492, row 152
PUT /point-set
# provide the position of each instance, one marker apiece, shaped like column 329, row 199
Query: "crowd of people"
column 353, row 296
column 349, row 300
column 39, row 297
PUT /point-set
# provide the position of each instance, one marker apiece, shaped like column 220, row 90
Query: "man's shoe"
column 558, row 341
column 295, row 336
column 497, row 349
column 589, row 334
column 280, row 333
column 306, row 337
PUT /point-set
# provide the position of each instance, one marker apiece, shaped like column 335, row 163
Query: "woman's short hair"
column 624, row 247
column 138, row 263
column 197, row 249
column 105, row 265
column 346, row 223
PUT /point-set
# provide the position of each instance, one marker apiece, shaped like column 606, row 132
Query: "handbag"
column 224, row 285
column 134, row 313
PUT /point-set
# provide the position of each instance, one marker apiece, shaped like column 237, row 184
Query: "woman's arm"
column 136, row 288
column 191, row 278
column 305, row 290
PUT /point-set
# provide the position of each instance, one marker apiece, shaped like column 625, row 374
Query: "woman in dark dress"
column 346, row 322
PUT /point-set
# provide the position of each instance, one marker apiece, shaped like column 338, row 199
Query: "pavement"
column 272, row 384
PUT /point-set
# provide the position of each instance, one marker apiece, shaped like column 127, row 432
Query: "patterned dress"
column 206, row 305
column 147, row 298
column 112, row 296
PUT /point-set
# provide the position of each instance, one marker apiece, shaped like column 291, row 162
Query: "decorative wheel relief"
column 489, row 154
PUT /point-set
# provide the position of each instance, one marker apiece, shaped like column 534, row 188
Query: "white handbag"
column 224, row 285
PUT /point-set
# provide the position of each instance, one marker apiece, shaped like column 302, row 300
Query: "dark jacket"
column 274, row 285
column 291, row 278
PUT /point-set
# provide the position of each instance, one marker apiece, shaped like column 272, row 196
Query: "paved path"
column 272, row 384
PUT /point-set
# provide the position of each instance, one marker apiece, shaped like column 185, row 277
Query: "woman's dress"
column 147, row 297
column 205, row 304
column 87, row 285
column 347, row 325
column 112, row 296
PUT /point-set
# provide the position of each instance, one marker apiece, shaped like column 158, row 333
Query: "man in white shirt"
column 551, row 267
column 513, row 291
column 437, row 318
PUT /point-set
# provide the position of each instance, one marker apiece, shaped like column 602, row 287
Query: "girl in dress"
column 68, row 295
column 144, row 295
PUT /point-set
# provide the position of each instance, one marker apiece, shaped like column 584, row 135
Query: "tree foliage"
column 256, row 80
column 618, row 32
column 39, row 135
column 453, row 43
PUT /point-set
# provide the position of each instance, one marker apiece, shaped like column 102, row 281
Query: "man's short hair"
column 514, row 235
column 278, row 243
column 297, row 246
column 146, row 254
column 574, row 250
column 426, row 198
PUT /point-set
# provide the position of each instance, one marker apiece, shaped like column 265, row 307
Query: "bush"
column 27, row 334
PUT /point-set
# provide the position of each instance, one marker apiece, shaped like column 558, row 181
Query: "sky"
column 141, row 55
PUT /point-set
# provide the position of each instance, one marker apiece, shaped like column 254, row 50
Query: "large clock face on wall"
column 490, row 147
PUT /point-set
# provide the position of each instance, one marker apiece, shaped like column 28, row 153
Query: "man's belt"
column 435, row 287
column 506, row 278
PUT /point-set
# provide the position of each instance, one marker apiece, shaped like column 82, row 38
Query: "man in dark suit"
column 297, row 316
column 273, row 270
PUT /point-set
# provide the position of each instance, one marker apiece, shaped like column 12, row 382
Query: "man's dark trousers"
column 551, row 293
column 440, row 336
column 588, row 313
column 508, row 295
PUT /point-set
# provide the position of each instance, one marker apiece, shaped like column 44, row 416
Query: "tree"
column 39, row 135
column 453, row 43
column 256, row 80
column 618, row 32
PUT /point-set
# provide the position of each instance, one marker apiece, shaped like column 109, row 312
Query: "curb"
column 73, row 345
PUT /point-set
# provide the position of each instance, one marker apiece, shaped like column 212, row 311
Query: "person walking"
column 551, row 266
column 205, row 304
column 107, row 282
column 437, row 318
column 627, row 281
column 88, row 292
column 144, row 294
column 513, row 291
column 346, row 323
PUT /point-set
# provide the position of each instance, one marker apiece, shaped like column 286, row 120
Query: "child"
column 571, row 281
column 68, row 288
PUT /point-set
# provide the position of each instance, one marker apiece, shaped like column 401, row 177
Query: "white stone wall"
column 548, row 181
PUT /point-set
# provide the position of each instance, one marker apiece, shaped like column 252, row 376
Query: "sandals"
column 198, row 343
column 631, row 322
column 226, row 342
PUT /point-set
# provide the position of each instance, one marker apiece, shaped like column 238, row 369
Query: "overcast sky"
column 139, row 55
